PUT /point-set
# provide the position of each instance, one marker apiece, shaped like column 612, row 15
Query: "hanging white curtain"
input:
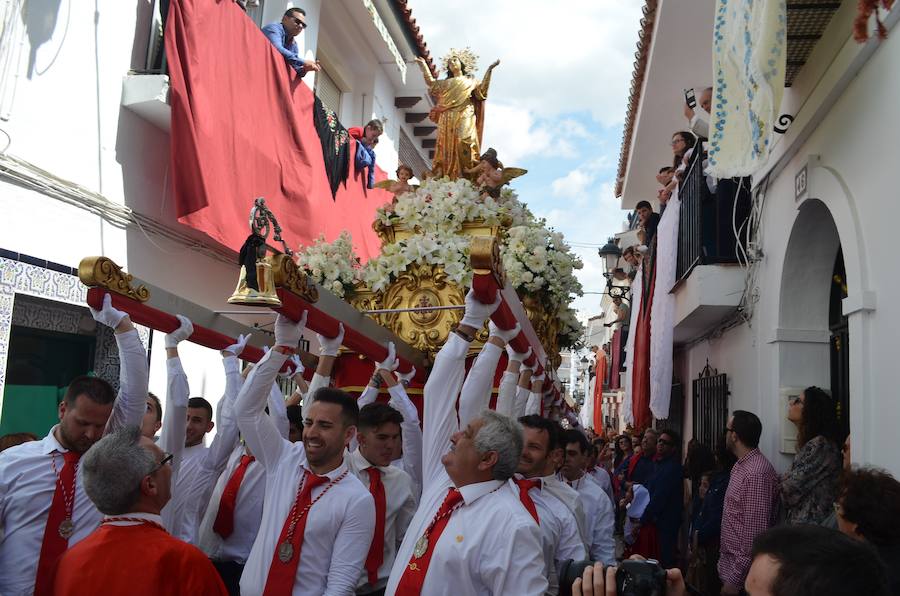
column 627, row 409
column 586, row 415
column 662, row 315
column 749, row 61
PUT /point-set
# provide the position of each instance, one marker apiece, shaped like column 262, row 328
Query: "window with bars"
column 710, row 404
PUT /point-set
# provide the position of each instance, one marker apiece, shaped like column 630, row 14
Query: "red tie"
column 526, row 485
column 280, row 580
column 56, row 535
column 376, row 552
column 224, row 524
column 414, row 576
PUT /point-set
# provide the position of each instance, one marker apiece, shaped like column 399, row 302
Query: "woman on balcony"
column 809, row 487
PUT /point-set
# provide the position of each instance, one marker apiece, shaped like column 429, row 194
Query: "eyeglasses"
column 664, row 442
column 299, row 22
column 794, row 400
column 729, row 430
column 838, row 510
column 167, row 459
column 676, row 141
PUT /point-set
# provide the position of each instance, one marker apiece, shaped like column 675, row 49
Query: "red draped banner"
column 242, row 127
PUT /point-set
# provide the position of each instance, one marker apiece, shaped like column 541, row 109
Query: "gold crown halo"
column 466, row 56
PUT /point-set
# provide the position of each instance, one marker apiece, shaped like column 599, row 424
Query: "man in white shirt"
column 307, row 544
column 698, row 117
column 561, row 538
column 43, row 507
column 598, row 473
column 470, row 534
column 391, row 489
column 598, row 510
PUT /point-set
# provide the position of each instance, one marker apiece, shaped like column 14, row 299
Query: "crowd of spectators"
column 721, row 514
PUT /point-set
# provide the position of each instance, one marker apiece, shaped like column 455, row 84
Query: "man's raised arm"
column 259, row 431
column 476, row 391
column 328, row 352
column 134, row 372
column 412, row 431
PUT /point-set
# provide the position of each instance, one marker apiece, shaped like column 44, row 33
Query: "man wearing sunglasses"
column 283, row 36
column 665, row 486
column 129, row 479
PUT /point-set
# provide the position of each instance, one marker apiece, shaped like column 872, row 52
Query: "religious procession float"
column 462, row 227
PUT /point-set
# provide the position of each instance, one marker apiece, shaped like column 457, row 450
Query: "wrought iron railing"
column 710, row 406
column 692, row 192
column 711, row 225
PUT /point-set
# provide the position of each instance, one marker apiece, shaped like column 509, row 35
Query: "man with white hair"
column 470, row 531
column 128, row 478
column 43, row 509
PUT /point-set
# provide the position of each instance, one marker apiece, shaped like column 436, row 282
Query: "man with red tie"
column 391, row 488
column 470, row 535
column 129, row 478
column 318, row 519
column 43, row 507
column 559, row 528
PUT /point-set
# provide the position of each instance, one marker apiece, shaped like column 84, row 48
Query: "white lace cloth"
column 627, row 409
column 662, row 315
column 749, row 61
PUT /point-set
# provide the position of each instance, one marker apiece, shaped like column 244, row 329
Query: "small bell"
column 265, row 295
column 256, row 285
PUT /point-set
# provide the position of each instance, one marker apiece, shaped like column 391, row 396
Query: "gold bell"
column 265, row 296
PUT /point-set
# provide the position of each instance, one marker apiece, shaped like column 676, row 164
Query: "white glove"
column 290, row 372
column 184, row 331
column 504, row 334
column 476, row 312
column 405, row 378
column 109, row 316
column 538, row 378
column 390, row 363
column 329, row 346
column 517, row 356
column 287, row 332
column 532, row 368
column 237, row 348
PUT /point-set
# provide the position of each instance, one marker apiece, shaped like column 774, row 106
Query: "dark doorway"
column 840, row 345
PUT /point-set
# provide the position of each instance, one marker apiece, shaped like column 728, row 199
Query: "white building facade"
column 85, row 159
column 814, row 304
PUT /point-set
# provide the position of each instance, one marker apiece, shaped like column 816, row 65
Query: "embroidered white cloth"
column 748, row 71
column 636, row 292
column 662, row 315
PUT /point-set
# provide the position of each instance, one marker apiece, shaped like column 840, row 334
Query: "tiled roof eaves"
column 645, row 37
column 416, row 34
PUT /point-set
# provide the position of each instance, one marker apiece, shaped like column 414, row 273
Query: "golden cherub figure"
column 401, row 185
column 489, row 174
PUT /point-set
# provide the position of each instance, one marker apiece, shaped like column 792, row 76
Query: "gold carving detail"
column 102, row 272
column 290, row 277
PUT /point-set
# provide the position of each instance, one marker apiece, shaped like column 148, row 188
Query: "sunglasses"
column 299, row 22
column 664, row 442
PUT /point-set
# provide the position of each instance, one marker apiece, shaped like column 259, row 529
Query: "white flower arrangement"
column 443, row 205
column 433, row 248
column 537, row 261
column 571, row 331
column 332, row 265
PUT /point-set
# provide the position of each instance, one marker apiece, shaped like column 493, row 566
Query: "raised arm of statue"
column 486, row 81
column 426, row 72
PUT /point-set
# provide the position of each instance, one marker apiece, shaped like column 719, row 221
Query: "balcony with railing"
column 711, row 236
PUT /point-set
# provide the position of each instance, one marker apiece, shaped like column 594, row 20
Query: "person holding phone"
column 698, row 116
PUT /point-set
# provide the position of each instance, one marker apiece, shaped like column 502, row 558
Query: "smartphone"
column 690, row 98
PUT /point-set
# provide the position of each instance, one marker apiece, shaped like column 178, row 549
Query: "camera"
column 569, row 572
column 640, row 578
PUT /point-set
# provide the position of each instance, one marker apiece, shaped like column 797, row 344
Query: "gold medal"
column 66, row 528
column 285, row 552
column 421, row 547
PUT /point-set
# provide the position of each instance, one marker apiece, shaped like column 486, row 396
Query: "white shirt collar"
column 49, row 444
column 332, row 475
column 473, row 492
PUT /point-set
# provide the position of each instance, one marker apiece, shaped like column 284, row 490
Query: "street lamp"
column 611, row 253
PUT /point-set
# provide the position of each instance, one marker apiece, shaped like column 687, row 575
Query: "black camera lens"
column 569, row 572
column 640, row 578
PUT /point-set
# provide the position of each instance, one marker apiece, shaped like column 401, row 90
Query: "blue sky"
column 556, row 106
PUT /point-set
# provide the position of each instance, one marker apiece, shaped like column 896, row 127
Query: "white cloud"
column 555, row 57
column 572, row 184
